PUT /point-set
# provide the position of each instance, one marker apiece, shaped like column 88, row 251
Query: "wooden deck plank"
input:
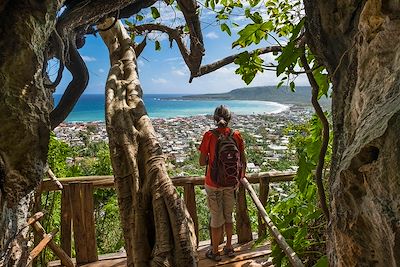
column 246, row 255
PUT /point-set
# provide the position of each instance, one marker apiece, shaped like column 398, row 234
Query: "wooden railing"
column 77, row 207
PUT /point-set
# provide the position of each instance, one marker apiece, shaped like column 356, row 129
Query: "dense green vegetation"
column 296, row 212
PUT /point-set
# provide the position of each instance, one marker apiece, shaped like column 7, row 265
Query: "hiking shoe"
column 229, row 252
column 213, row 256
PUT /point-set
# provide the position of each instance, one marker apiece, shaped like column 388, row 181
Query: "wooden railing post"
column 39, row 230
column 83, row 222
column 190, row 201
column 264, row 191
column 243, row 225
column 36, row 208
column 292, row 256
column 66, row 217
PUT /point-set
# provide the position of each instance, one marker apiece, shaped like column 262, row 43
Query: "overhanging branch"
column 230, row 59
column 174, row 34
column 84, row 13
column 189, row 10
column 192, row 57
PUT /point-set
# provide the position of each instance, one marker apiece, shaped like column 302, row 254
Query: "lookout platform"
column 77, row 219
column 245, row 255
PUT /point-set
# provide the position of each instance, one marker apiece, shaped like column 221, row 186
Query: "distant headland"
column 283, row 95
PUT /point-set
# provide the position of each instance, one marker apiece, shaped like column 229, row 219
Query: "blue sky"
column 165, row 71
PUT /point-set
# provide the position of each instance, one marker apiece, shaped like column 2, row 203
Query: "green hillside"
column 265, row 93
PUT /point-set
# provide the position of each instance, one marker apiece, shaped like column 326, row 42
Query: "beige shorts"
column 221, row 202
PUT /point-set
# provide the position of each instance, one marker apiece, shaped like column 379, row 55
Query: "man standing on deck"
column 221, row 199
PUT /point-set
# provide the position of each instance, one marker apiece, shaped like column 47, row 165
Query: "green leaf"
column 256, row 18
column 322, row 80
column 129, row 24
column 303, row 173
column 249, row 66
column 288, row 57
column 296, row 30
column 292, row 86
column 186, row 29
column 157, row 46
column 280, row 84
column 254, row 2
column 252, row 34
column 212, row 4
column 322, row 262
column 222, row 16
column 139, row 17
column 312, row 216
column 247, row 12
column 225, row 28
column 154, row 12
column 299, row 237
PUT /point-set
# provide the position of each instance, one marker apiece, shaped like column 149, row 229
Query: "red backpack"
column 226, row 167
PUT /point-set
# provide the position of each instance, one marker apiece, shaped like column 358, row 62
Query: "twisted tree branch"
column 189, row 10
column 139, row 48
column 325, row 135
column 72, row 25
column 59, row 49
column 80, row 79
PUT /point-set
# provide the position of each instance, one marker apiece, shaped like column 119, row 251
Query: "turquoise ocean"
column 90, row 107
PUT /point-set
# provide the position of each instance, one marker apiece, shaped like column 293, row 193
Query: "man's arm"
column 203, row 159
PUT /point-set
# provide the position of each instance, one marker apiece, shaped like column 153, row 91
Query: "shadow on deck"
column 246, row 255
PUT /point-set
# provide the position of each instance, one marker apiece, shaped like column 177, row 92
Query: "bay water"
column 91, row 107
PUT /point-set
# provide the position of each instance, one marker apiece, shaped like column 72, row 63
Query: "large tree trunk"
column 359, row 42
column 25, row 27
column 157, row 228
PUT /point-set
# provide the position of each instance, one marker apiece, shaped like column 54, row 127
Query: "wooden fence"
column 77, row 207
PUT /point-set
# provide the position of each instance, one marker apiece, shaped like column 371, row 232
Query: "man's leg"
column 214, row 200
column 229, row 232
column 216, row 235
column 229, row 203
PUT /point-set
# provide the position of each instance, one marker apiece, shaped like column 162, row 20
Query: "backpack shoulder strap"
column 215, row 133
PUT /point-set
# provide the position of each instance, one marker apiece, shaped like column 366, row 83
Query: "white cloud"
column 212, row 35
column 269, row 58
column 88, row 59
column 172, row 59
column 159, row 81
column 168, row 15
column 179, row 72
column 159, row 36
column 102, row 70
column 140, row 62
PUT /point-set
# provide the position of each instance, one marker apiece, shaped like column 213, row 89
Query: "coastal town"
column 178, row 136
